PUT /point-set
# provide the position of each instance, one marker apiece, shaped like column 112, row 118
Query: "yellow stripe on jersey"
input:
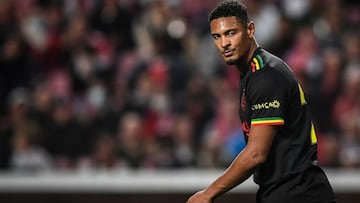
column 256, row 63
column 302, row 96
column 313, row 134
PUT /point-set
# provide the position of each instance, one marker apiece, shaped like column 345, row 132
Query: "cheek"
column 217, row 44
column 239, row 42
column 218, row 47
column 242, row 45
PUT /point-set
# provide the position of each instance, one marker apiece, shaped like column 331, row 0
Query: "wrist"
column 209, row 193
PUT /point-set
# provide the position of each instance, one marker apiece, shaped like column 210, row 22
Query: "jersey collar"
column 256, row 63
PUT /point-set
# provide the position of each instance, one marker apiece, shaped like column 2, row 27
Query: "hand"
column 200, row 197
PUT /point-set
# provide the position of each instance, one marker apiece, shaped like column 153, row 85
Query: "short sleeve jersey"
column 270, row 95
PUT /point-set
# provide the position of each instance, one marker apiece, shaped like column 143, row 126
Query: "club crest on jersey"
column 256, row 63
column 243, row 101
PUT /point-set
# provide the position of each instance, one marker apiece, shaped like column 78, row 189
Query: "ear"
column 251, row 29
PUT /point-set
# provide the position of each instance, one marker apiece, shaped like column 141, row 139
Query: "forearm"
column 254, row 154
column 240, row 170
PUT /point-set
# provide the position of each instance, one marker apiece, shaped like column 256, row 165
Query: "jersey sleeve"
column 267, row 97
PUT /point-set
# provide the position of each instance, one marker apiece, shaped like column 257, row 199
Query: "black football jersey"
column 270, row 95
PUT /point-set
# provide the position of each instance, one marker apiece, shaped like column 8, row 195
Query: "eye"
column 231, row 33
column 216, row 36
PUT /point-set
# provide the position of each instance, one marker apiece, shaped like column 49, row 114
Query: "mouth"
column 228, row 53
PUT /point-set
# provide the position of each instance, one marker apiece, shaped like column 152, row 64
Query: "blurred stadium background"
column 128, row 100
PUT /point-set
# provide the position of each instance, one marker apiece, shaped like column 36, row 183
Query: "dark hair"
column 230, row 8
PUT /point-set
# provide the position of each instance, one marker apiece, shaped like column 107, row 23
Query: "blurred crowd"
column 138, row 84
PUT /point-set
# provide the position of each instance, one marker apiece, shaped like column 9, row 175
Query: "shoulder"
column 268, row 68
column 263, row 59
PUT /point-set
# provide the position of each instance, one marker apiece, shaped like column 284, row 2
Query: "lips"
column 228, row 53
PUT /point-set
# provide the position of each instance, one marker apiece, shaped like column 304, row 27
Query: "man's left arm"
column 243, row 166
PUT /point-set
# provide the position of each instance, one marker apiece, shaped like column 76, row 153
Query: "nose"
column 225, row 42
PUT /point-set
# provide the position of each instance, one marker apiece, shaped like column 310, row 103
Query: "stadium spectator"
column 85, row 64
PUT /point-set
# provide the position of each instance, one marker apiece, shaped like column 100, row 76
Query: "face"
column 232, row 39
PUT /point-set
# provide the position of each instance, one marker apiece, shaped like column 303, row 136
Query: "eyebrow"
column 225, row 31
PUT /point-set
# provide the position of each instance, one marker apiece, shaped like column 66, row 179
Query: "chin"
column 230, row 61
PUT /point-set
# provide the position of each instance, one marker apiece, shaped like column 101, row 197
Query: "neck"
column 243, row 64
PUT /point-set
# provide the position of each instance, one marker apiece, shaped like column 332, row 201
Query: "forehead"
column 224, row 23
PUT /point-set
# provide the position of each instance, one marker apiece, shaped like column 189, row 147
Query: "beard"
column 231, row 62
column 237, row 61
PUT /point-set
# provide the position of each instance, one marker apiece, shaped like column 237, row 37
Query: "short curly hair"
column 230, row 8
